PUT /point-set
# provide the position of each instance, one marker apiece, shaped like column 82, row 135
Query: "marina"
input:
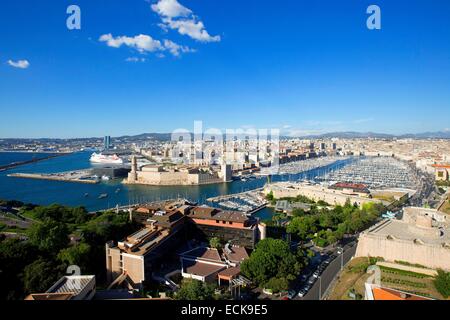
column 248, row 202
column 45, row 192
column 375, row 172
column 297, row 167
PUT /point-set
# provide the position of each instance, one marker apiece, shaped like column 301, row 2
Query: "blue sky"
column 302, row 66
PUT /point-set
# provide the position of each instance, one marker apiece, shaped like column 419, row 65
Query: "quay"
column 21, row 163
column 74, row 176
column 248, row 202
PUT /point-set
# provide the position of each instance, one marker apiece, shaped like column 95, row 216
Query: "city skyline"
column 154, row 66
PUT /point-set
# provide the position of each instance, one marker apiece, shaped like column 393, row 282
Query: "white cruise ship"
column 101, row 158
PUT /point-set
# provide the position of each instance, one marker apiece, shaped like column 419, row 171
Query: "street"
column 326, row 278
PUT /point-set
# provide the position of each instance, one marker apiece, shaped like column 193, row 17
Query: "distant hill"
column 363, row 135
column 342, row 135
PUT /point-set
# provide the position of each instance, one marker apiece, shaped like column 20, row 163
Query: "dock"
column 21, row 163
column 248, row 202
column 81, row 176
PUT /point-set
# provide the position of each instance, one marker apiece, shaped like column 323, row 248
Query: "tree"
column 14, row 256
column 271, row 258
column 277, row 284
column 442, row 283
column 270, row 196
column 60, row 213
column 107, row 226
column 297, row 212
column 302, row 226
column 77, row 255
column 39, row 276
column 191, row 289
column 49, row 235
column 215, row 243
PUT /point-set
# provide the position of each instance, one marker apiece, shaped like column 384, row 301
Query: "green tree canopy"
column 76, row 255
column 39, row 276
column 277, row 284
column 60, row 213
column 215, row 243
column 271, row 258
column 191, row 289
column 14, row 256
column 49, row 235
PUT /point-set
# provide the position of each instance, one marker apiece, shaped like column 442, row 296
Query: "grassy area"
column 351, row 279
column 446, row 207
column 354, row 276
column 12, row 229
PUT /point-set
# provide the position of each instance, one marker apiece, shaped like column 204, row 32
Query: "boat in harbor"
column 106, row 159
column 103, row 195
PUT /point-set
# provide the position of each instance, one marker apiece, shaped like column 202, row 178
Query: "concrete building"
column 68, row 288
column 209, row 265
column 178, row 175
column 442, row 172
column 131, row 260
column 230, row 226
column 421, row 237
column 333, row 196
column 107, row 142
column 167, row 225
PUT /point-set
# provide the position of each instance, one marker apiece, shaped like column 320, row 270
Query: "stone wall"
column 432, row 256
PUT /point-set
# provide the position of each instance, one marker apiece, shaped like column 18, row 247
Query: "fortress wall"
column 433, row 256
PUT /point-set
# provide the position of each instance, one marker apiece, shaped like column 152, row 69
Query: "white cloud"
column 175, row 48
column 144, row 43
column 170, row 9
column 21, row 64
column 177, row 17
column 141, row 43
column 192, row 28
column 135, row 59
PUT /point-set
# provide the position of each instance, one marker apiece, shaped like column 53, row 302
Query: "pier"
column 81, row 176
column 21, row 163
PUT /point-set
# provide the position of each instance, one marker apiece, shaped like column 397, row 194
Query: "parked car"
column 311, row 280
column 302, row 293
column 317, row 273
column 292, row 294
column 306, row 288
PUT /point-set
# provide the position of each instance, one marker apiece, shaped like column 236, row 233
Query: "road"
column 329, row 274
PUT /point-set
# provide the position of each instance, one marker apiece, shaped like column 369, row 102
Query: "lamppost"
column 341, row 252
column 320, row 287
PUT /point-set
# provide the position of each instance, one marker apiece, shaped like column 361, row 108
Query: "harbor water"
column 44, row 192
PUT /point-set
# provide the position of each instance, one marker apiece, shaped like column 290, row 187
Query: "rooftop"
column 71, row 284
column 381, row 293
column 200, row 268
column 203, row 253
column 417, row 225
column 236, row 254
